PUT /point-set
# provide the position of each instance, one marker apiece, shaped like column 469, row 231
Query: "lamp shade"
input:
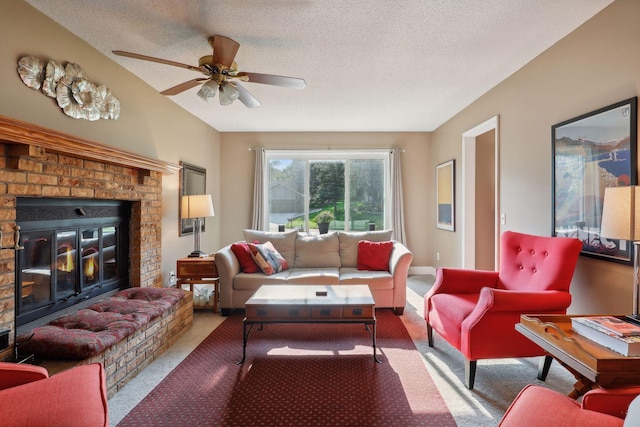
column 197, row 206
column 208, row 90
column 620, row 213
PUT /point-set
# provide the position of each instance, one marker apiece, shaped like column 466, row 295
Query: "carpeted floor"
column 497, row 381
column 298, row 375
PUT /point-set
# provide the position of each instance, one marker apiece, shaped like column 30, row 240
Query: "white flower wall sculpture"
column 70, row 86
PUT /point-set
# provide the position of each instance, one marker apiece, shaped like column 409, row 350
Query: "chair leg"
column 430, row 335
column 543, row 367
column 470, row 372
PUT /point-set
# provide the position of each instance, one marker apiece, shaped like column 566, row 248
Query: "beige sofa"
column 327, row 259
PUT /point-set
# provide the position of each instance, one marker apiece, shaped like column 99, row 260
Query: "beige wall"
column 149, row 124
column 418, row 179
column 596, row 65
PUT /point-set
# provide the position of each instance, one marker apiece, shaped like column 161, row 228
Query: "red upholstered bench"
column 123, row 333
column 90, row 331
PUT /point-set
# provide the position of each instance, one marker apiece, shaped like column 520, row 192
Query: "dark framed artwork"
column 445, row 195
column 592, row 152
column 193, row 180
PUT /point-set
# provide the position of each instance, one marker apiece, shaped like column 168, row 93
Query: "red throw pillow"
column 242, row 252
column 374, row 256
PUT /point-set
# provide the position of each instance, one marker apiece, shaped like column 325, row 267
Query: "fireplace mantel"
column 13, row 131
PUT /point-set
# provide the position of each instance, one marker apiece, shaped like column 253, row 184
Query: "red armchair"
column 537, row 406
column 476, row 311
column 75, row 397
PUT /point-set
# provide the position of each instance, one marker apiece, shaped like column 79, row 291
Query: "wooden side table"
column 590, row 363
column 192, row 271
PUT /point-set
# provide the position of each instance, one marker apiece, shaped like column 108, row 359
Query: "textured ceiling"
column 370, row 65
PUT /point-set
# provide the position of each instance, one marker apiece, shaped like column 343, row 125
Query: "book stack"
column 612, row 332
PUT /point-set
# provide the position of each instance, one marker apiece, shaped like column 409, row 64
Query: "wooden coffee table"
column 592, row 365
column 306, row 304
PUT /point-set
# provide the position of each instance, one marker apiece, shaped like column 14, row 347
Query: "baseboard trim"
column 422, row 270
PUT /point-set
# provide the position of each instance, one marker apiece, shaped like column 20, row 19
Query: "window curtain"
column 397, row 205
column 258, row 191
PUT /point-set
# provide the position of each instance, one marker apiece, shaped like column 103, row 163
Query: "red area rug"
column 298, row 375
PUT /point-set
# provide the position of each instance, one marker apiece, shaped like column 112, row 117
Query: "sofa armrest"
column 610, row 401
column 523, row 301
column 400, row 259
column 228, row 266
column 462, row 281
column 399, row 263
column 539, row 406
column 501, row 303
column 14, row 374
column 74, row 397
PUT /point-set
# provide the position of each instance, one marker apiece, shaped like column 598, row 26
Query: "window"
column 353, row 186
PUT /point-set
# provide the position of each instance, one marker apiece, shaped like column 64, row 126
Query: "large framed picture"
column 445, row 196
column 590, row 153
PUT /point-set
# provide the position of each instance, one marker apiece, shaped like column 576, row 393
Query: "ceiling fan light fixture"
column 228, row 93
column 208, row 90
column 217, row 69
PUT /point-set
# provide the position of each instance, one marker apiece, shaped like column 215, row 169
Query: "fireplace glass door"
column 71, row 258
column 75, row 271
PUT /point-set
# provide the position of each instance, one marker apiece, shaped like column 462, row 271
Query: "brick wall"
column 31, row 171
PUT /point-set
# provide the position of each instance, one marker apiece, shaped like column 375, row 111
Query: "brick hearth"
column 33, row 171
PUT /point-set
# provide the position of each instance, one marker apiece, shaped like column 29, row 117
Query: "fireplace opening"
column 74, row 250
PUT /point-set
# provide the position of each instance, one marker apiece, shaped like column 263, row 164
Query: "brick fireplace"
column 38, row 162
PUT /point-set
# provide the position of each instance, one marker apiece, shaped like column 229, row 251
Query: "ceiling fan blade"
column 246, row 98
column 183, row 86
column 224, row 50
column 269, row 79
column 159, row 60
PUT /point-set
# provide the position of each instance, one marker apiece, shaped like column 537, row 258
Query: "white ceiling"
column 370, row 65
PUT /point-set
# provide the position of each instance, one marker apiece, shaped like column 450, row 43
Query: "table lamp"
column 197, row 206
column 621, row 220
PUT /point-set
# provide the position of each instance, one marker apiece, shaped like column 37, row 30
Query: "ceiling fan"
column 221, row 74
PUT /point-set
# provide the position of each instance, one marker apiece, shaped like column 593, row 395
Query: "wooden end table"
column 592, row 364
column 302, row 304
column 196, row 271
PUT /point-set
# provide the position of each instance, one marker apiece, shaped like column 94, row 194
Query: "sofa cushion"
column 349, row 244
column 283, row 242
column 242, row 252
column 244, row 281
column 314, row 276
column 317, row 251
column 374, row 256
column 375, row 279
column 268, row 258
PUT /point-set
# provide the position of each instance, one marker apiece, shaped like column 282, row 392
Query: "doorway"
column 480, row 196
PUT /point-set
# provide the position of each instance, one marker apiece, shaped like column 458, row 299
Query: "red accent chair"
column 75, row 397
column 536, row 406
column 476, row 310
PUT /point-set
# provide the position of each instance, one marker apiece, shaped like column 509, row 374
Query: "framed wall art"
column 193, row 180
column 590, row 153
column 445, row 196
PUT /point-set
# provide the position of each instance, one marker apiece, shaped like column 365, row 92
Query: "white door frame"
column 469, row 194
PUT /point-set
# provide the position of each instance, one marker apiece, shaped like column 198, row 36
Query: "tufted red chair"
column 476, row 310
